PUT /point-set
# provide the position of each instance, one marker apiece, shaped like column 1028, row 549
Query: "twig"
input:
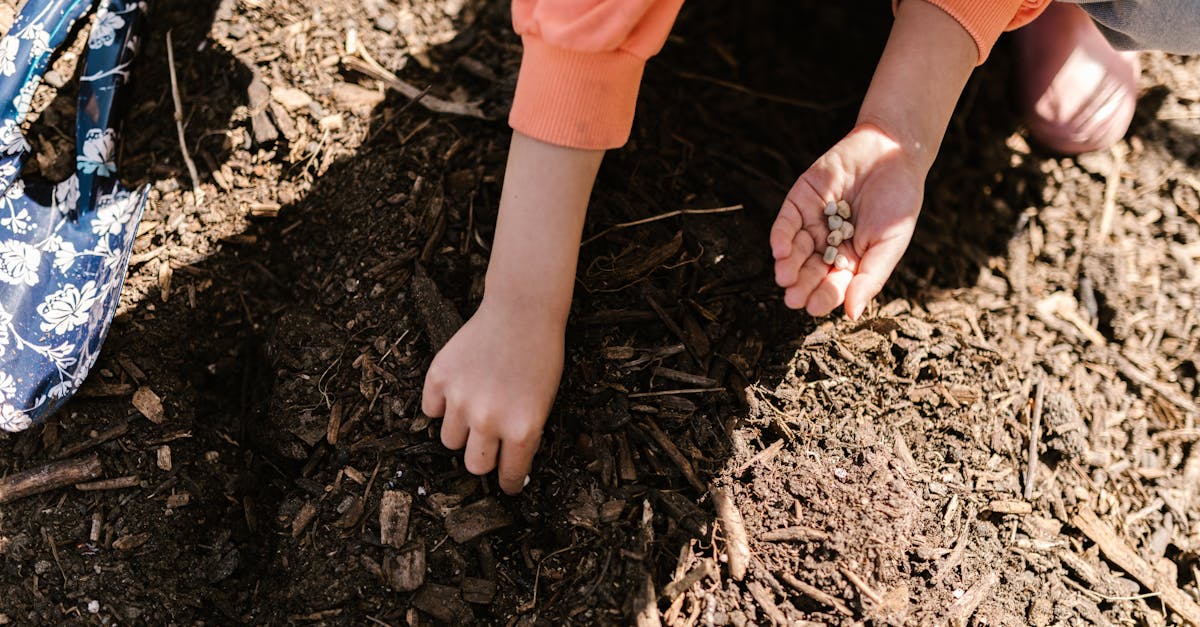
column 54, row 552
column 674, row 453
column 795, row 102
column 1135, row 374
column 962, row 609
column 1120, row 553
column 816, row 594
column 763, row 455
column 670, row 392
column 197, row 193
column 737, row 546
column 864, row 588
column 793, row 534
column 119, row 483
column 1110, row 193
column 661, row 216
column 1035, row 435
column 49, row 477
column 359, row 60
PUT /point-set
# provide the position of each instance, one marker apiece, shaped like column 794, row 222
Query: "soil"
column 284, row 314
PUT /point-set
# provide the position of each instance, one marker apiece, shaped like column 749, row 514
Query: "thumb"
column 874, row 269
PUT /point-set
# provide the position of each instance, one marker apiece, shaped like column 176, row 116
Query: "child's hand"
column 884, row 187
column 494, row 382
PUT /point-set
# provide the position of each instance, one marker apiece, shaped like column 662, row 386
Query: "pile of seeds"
column 837, row 215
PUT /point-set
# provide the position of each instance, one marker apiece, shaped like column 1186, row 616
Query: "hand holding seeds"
column 837, row 218
column 829, row 253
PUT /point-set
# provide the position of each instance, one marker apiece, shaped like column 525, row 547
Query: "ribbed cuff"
column 984, row 20
column 576, row 99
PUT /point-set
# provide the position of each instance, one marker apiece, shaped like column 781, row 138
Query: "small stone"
column 291, row 98
column 831, row 208
column 835, row 222
column 841, row 263
column 93, row 607
column 831, row 253
column 847, row 230
column 834, row 238
column 843, row 209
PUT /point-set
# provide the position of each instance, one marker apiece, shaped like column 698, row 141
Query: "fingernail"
column 526, row 484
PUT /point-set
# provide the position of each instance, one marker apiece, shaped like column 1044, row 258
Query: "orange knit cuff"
column 576, row 99
column 984, row 20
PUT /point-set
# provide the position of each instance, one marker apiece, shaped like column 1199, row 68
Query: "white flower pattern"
column 12, row 419
column 12, row 141
column 18, row 222
column 61, row 265
column 9, row 47
column 114, row 212
column 19, row 263
column 8, row 386
column 68, row 308
column 104, row 29
column 98, row 152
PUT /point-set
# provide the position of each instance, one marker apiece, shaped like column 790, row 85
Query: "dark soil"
column 279, row 321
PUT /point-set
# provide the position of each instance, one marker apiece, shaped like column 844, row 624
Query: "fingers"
column 783, row 232
column 455, row 429
column 812, row 272
column 828, row 294
column 516, row 460
column 873, row 271
column 480, row 456
column 433, row 398
column 788, row 268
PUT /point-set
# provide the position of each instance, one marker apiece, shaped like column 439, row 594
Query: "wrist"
column 526, row 300
column 885, row 141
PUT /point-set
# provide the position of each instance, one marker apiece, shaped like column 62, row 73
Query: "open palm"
column 884, row 187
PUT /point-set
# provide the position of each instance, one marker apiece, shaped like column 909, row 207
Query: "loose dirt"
column 882, row 469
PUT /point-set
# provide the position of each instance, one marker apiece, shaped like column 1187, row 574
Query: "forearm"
column 542, row 210
column 918, row 81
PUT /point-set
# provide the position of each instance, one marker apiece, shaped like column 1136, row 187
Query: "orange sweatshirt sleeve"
column 986, row 19
column 582, row 67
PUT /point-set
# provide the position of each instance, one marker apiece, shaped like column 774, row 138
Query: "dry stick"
column 197, row 193
column 672, row 451
column 816, row 594
column 763, row 597
column 864, row 588
column 1110, row 194
column 673, row 392
column 763, row 455
column 737, row 546
column 119, row 483
column 365, row 64
column 814, row 105
column 793, row 534
column 1035, row 435
column 661, row 216
column 49, row 477
column 962, row 609
column 1120, row 553
column 1135, row 374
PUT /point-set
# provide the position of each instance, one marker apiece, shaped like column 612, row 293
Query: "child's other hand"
column 494, row 382
column 884, row 187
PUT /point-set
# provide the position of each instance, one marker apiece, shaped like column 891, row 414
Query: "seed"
column 835, row 222
column 841, row 263
column 847, row 230
column 831, row 253
column 843, row 209
column 835, row 238
column 831, row 208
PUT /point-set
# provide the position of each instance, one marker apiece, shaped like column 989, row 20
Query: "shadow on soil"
column 311, row 319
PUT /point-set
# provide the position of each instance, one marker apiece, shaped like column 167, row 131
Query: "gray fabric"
column 1168, row 25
